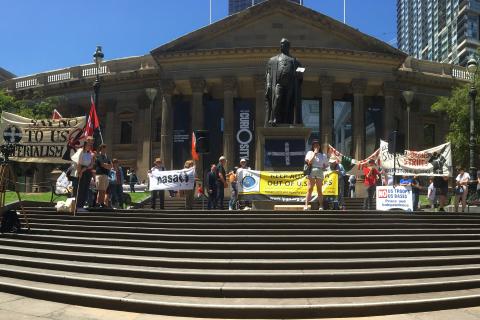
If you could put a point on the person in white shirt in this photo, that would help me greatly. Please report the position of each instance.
(431, 194)
(461, 188)
(158, 166)
(318, 161)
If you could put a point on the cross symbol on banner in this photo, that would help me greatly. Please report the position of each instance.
(12, 134)
(287, 154)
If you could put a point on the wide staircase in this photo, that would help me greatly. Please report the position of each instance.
(247, 264)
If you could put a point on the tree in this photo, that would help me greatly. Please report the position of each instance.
(38, 107)
(457, 109)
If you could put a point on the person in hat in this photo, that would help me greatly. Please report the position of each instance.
(318, 161)
(160, 194)
(221, 181)
(371, 175)
(243, 164)
(338, 168)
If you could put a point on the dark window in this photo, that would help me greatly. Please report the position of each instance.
(429, 134)
(342, 126)
(126, 129)
(158, 130)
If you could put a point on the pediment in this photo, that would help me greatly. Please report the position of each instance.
(264, 25)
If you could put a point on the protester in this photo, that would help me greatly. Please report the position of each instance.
(243, 164)
(232, 178)
(431, 193)
(85, 160)
(102, 169)
(221, 181)
(117, 178)
(461, 188)
(441, 183)
(415, 192)
(189, 194)
(212, 187)
(160, 194)
(318, 161)
(132, 179)
(352, 181)
(371, 176)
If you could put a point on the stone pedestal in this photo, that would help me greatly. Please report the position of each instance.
(277, 133)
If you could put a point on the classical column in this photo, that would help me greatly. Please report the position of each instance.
(167, 86)
(229, 85)
(358, 112)
(326, 124)
(198, 86)
(259, 85)
(109, 123)
(389, 124)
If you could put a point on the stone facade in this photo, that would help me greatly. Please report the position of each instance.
(204, 78)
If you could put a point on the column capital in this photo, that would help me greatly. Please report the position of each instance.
(326, 82)
(198, 85)
(389, 88)
(259, 82)
(359, 86)
(229, 83)
(167, 86)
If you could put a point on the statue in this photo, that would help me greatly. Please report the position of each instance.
(283, 81)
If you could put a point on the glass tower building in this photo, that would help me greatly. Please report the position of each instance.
(438, 30)
(235, 6)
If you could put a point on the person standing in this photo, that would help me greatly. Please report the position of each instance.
(415, 192)
(212, 187)
(371, 175)
(243, 164)
(318, 162)
(117, 185)
(232, 178)
(84, 172)
(441, 183)
(160, 194)
(132, 179)
(352, 181)
(431, 193)
(461, 188)
(221, 181)
(189, 194)
(102, 169)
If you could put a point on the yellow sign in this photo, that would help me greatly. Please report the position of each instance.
(330, 184)
(283, 183)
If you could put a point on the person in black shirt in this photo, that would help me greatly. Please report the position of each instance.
(221, 181)
(102, 169)
(212, 187)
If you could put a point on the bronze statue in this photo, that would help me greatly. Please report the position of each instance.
(283, 88)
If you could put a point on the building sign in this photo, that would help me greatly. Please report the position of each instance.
(172, 180)
(181, 133)
(284, 153)
(42, 141)
(389, 197)
(244, 134)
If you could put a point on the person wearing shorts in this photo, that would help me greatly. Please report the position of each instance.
(319, 162)
(103, 166)
(441, 184)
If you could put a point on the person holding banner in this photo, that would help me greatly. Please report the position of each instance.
(160, 194)
(84, 161)
(189, 194)
(212, 187)
(318, 161)
(371, 175)
(461, 188)
(221, 180)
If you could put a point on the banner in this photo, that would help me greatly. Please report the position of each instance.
(389, 197)
(280, 185)
(436, 161)
(172, 180)
(244, 133)
(42, 141)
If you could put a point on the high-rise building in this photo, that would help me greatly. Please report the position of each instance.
(235, 6)
(438, 30)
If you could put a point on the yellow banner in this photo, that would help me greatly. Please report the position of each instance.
(330, 184)
(283, 183)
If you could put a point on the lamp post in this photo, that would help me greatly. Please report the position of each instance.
(97, 58)
(408, 96)
(151, 93)
(472, 67)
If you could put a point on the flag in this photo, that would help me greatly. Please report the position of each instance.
(92, 121)
(56, 115)
(194, 147)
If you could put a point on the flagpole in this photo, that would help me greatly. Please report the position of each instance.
(210, 11)
(344, 15)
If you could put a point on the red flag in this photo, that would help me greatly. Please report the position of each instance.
(194, 148)
(56, 115)
(92, 121)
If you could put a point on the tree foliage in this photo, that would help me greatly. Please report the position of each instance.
(36, 108)
(456, 108)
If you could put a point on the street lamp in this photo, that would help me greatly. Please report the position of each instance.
(472, 67)
(97, 58)
(151, 93)
(408, 96)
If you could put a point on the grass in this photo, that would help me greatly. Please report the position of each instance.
(11, 196)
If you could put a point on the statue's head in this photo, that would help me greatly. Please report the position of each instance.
(284, 46)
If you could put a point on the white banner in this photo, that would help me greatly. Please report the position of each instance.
(41, 141)
(389, 197)
(172, 180)
(436, 161)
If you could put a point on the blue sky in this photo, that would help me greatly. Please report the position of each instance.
(45, 35)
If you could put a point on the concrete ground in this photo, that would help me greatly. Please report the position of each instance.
(13, 307)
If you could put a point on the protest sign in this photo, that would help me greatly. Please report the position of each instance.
(172, 180)
(389, 197)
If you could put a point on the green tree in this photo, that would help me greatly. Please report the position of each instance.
(457, 109)
(38, 107)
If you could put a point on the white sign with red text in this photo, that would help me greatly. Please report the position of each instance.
(394, 198)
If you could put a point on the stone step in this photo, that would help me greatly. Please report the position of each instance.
(242, 307)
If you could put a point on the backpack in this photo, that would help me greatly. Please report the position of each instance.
(10, 222)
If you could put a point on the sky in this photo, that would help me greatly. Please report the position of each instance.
(45, 35)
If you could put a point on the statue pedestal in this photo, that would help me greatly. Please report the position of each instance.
(281, 148)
